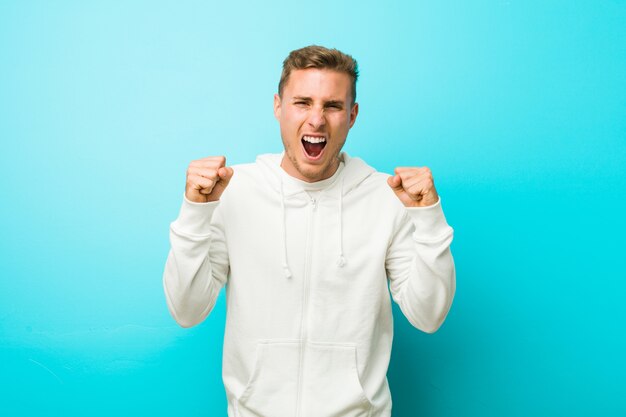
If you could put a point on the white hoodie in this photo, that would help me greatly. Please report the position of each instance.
(307, 270)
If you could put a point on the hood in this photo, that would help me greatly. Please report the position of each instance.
(354, 172)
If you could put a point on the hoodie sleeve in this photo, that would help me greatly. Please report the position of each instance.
(420, 267)
(197, 264)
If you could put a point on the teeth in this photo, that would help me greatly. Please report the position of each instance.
(314, 139)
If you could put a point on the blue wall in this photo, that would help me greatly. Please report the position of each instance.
(518, 107)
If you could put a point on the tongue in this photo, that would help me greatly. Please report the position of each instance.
(313, 149)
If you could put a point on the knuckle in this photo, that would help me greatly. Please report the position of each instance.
(214, 161)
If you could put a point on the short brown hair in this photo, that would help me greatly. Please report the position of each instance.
(315, 56)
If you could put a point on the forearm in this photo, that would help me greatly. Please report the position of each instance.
(196, 266)
(425, 286)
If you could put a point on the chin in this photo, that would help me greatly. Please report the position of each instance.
(312, 173)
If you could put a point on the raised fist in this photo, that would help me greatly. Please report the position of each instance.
(414, 186)
(207, 179)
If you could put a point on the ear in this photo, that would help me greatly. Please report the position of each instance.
(277, 104)
(354, 111)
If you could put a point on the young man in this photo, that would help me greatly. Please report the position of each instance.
(306, 243)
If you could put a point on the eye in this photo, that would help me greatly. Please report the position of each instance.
(334, 106)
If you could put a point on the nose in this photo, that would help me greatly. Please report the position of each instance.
(317, 118)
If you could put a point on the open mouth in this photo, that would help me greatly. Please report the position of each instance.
(313, 145)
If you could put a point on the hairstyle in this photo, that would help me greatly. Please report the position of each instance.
(314, 56)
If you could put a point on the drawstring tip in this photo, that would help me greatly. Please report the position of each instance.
(341, 261)
(287, 271)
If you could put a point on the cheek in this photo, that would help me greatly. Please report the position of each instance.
(341, 125)
(291, 122)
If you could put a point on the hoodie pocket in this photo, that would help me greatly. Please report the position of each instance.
(330, 384)
(332, 387)
(272, 388)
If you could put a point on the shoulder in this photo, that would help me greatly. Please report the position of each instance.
(375, 190)
(246, 171)
(248, 179)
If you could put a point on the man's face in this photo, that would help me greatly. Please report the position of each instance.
(315, 114)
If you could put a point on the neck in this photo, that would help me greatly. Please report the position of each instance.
(292, 170)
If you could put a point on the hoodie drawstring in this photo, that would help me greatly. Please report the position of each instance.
(341, 261)
(286, 269)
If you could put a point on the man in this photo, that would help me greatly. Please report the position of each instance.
(306, 243)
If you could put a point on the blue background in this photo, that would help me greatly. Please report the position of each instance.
(518, 107)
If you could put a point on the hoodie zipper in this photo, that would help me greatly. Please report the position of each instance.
(305, 302)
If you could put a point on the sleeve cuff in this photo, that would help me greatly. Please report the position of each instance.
(429, 221)
(195, 218)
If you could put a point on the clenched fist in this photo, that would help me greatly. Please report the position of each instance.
(414, 186)
(207, 179)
